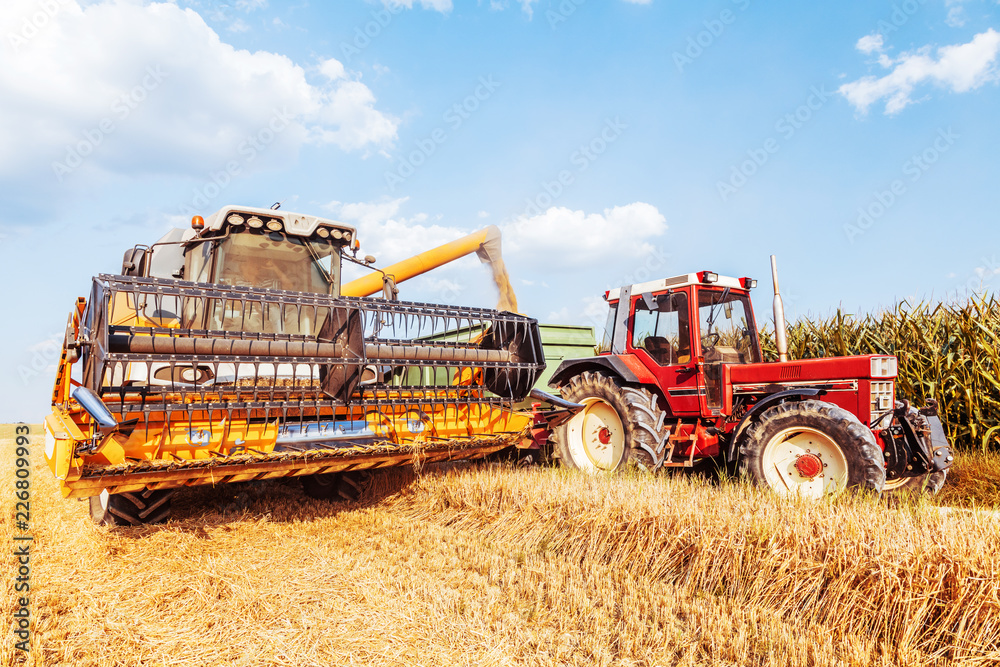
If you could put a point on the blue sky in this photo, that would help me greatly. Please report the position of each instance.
(611, 141)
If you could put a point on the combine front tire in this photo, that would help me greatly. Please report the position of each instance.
(131, 509)
(618, 426)
(812, 449)
(339, 486)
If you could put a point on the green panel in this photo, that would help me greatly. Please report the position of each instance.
(560, 342)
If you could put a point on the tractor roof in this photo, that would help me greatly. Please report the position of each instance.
(298, 224)
(682, 280)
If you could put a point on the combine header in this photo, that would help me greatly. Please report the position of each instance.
(228, 353)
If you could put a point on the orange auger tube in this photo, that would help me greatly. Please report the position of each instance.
(478, 242)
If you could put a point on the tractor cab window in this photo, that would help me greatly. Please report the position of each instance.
(609, 330)
(727, 331)
(661, 328)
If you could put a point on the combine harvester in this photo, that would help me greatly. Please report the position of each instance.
(233, 352)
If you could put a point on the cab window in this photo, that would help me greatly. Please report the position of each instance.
(727, 335)
(661, 328)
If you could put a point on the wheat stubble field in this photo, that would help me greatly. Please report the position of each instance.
(496, 566)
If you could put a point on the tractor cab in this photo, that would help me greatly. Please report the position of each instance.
(683, 330)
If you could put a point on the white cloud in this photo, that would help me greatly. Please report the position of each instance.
(574, 239)
(870, 43)
(251, 5)
(239, 25)
(442, 6)
(152, 88)
(960, 67)
(956, 13)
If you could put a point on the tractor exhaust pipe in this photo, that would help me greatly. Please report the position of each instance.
(780, 330)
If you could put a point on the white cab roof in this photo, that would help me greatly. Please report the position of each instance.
(675, 282)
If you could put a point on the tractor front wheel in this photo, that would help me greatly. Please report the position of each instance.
(619, 426)
(812, 449)
(131, 509)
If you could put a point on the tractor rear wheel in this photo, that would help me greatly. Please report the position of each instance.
(131, 509)
(618, 427)
(812, 449)
(929, 483)
(339, 486)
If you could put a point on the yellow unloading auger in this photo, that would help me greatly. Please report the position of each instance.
(485, 243)
(234, 354)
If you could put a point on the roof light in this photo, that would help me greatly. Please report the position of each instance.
(274, 225)
(337, 234)
(197, 223)
(709, 277)
(235, 219)
(748, 283)
(255, 222)
(347, 236)
(323, 232)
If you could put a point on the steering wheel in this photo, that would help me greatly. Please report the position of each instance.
(712, 340)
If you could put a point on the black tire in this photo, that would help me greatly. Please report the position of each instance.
(640, 419)
(133, 508)
(338, 486)
(928, 484)
(830, 429)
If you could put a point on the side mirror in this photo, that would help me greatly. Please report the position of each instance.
(369, 259)
(134, 262)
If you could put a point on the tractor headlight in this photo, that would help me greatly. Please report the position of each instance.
(274, 225)
(235, 219)
(255, 222)
(883, 367)
(323, 232)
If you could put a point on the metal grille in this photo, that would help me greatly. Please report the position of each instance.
(154, 347)
(881, 402)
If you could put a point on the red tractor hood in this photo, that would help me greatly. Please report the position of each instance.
(808, 371)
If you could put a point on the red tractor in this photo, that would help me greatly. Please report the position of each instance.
(679, 379)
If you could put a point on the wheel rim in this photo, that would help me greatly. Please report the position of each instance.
(596, 437)
(804, 461)
(892, 484)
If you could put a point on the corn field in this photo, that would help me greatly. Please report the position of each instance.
(950, 352)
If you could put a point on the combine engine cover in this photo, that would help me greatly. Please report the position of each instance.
(180, 383)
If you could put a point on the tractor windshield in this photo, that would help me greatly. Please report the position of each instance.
(727, 331)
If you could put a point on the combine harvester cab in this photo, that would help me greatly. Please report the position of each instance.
(227, 353)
